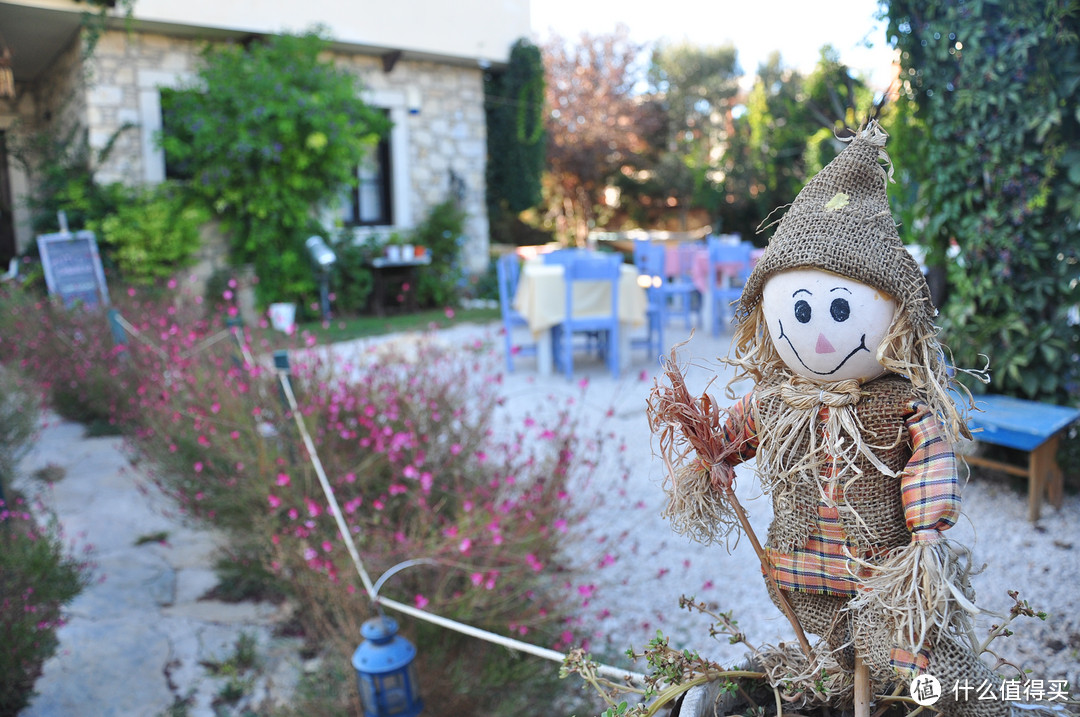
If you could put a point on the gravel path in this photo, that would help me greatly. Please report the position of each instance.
(640, 568)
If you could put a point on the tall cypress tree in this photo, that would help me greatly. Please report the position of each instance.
(514, 104)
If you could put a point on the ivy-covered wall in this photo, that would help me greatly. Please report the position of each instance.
(993, 156)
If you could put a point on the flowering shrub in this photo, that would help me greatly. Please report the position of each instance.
(36, 580)
(70, 353)
(409, 438)
(17, 424)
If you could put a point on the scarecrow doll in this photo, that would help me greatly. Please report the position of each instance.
(852, 423)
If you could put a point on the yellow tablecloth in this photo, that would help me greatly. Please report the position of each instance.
(541, 296)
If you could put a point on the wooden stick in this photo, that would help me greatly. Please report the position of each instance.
(862, 687)
(785, 606)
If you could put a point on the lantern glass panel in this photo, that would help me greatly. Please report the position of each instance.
(367, 695)
(414, 683)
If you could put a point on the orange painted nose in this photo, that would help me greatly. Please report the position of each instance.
(823, 345)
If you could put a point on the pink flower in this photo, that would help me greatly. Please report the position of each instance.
(274, 501)
(465, 545)
(449, 313)
(283, 479)
(476, 578)
(455, 449)
(326, 546)
(313, 508)
(607, 560)
(420, 601)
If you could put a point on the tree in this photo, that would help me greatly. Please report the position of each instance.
(514, 105)
(787, 133)
(995, 87)
(696, 88)
(271, 131)
(597, 124)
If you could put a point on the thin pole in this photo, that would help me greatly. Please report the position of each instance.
(766, 564)
(862, 687)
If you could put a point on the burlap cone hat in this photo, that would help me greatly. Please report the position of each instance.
(840, 222)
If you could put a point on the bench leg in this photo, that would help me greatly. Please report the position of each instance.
(1055, 480)
(1044, 477)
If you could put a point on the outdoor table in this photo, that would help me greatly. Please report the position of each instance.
(541, 299)
(395, 274)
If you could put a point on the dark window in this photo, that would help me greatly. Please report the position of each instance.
(370, 202)
(174, 128)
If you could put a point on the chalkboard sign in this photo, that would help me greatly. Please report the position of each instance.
(73, 268)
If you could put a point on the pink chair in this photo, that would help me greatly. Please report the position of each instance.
(729, 265)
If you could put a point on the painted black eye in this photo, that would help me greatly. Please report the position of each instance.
(840, 309)
(802, 311)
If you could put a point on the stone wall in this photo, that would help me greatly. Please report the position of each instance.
(118, 69)
(447, 138)
(440, 106)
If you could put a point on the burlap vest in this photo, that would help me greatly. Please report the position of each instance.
(869, 503)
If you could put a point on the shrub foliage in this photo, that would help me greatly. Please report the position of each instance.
(269, 132)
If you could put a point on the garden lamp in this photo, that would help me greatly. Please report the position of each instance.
(386, 672)
(324, 258)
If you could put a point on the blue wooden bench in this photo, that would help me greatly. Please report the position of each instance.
(1028, 426)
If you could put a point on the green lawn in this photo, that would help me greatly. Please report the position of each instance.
(344, 329)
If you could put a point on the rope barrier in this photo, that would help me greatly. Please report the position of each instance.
(377, 600)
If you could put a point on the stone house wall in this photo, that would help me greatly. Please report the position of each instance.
(437, 108)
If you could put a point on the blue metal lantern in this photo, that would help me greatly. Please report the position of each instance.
(386, 671)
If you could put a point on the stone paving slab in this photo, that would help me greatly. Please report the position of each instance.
(139, 637)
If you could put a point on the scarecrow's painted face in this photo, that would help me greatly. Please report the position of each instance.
(826, 327)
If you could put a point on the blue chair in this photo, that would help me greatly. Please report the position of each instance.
(508, 269)
(562, 256)
(590, 267)
(721, 296)
(649, 260)
(677, 291)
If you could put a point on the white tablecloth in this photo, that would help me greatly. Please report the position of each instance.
(541, 296)
(541, 299)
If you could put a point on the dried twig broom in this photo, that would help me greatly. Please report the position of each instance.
(701, 496)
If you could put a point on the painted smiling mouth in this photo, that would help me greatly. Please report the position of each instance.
(857, 349)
